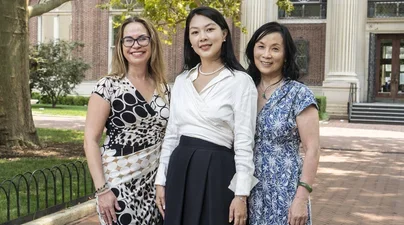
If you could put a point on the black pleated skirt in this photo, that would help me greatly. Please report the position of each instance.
(198, 177)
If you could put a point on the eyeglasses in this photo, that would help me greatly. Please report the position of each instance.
(142, 41)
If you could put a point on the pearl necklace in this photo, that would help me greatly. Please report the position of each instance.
(207, 74)
(266, 89)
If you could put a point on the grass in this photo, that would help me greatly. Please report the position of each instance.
(48, 135)
(21, 171)
(60, 136)
(47, 187)
(59, 110)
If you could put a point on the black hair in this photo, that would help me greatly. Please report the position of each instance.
(290, 69)
(191, 59)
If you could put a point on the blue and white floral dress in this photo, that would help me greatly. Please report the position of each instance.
(278, 164)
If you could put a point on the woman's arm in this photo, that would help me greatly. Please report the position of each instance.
(245, 113)
(171, 140)
(97, 114)
(308, 126)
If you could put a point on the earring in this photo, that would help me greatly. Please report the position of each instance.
(224, 40)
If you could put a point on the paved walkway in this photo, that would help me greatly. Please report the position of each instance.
(360, 179)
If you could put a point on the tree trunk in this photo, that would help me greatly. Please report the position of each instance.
(16, 123)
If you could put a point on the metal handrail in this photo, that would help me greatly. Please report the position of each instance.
(22, 194)
(351, 98)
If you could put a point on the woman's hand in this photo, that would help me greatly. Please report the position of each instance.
(298, 212)
(160, 199)
(107, 203)
(238, 210)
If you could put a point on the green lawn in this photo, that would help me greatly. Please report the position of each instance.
(68, 174)
(21, 172)
(59, 110)
(60, 136)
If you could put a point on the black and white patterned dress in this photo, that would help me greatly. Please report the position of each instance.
(130, 153)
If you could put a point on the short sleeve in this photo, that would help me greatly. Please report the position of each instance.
(104, 88)
(304, 99)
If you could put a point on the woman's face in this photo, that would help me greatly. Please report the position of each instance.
(206, 37)
(136, 45)
(269, 54)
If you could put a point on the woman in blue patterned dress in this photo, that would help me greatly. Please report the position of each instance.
(132, 104)
(287, 117)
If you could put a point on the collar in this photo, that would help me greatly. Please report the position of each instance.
(193, 73)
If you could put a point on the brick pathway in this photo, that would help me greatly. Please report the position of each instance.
(360, 179)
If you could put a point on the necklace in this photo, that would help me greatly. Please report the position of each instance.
(266, 89)
(207, 74)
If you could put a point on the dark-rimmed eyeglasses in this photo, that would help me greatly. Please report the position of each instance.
(142, 41)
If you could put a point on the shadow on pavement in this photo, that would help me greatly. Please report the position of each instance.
(359, 188)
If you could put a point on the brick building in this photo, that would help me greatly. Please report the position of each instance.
(82, 21)
(341, 43)
(351, 50)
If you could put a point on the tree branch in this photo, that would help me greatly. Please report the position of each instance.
(41, 8)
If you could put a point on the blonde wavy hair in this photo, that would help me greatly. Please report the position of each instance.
(155, 65)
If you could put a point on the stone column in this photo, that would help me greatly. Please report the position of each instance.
(253, 15)
(341, 49)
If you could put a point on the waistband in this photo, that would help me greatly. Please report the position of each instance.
(203, 144)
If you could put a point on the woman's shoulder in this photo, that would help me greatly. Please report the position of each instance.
(299, 86)
(182, 75)
(243, 77)
(300, 90)
(111, 78)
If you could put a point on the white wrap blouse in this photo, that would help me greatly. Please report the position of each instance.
(224, 113)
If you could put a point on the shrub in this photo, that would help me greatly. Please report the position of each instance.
(55, 69)
(322, 107)
(63, 100)
(35, 95)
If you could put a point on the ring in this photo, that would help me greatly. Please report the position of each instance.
(102, 213)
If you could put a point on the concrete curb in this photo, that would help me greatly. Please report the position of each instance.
(67, 215)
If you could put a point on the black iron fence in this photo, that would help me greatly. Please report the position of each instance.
(305, 10)
(385, 8)
(31, 195)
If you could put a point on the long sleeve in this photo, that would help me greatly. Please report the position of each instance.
(245, 111)
(171, 140)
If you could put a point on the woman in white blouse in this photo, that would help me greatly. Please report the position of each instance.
(206, 168)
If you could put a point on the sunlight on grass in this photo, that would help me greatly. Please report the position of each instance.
(59, 110)
(12, 167)
(60, 135)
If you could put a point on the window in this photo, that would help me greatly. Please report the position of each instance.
(307, 9)
(56, 24)
(302, 59)
(385, 8)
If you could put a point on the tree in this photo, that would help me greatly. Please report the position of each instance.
(53, 69)
(16, 124)
(167, 14)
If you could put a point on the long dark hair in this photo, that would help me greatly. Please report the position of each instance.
(191, 59)
(290, 69)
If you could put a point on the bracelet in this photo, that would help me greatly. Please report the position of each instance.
(102, 189)
(305, 185)
(103, 192)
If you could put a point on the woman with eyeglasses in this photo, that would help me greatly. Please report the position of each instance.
(132, 104)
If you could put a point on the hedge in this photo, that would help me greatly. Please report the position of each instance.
(64, 100)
